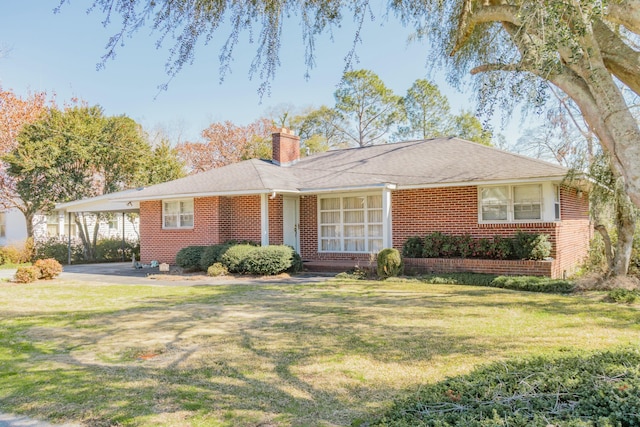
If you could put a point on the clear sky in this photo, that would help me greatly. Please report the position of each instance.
(58, 53)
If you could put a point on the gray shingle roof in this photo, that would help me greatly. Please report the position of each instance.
(433, 162)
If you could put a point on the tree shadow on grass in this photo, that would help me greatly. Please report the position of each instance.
(279, 355)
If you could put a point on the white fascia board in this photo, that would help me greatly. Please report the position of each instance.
(344, 189)
(205, 194)
(557, 179)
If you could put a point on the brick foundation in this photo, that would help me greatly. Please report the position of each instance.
(487, 266)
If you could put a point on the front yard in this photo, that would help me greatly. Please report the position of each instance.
(320, 355)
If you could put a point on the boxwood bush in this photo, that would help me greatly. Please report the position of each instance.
(189, 257)
(269, 260)
(602, 389)
(389, 263)
(234, 257)
(212, 254)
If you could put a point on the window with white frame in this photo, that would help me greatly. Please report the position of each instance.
(113, 223)
(556, 202)
(350, 223)
(506, 203)
(3, 224)
(177, 214)
(53, 225)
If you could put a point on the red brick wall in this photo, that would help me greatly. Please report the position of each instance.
(309, 227)
(240, 218)
(163, 245)
(574, 233)
(487, 266)
(455, 211)
(414, 212)
(452, 210)
(216, 220)
(275, 221)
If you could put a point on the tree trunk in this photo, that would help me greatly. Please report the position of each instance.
(626, 227)
(28, 217)
(608, 249)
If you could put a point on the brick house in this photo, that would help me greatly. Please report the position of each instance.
(343, 205)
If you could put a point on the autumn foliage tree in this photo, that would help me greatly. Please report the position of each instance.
(15, 112)
(225, 143)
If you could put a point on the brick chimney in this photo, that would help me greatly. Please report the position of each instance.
(286, 147)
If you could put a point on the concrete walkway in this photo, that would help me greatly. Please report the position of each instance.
(10, 420)
(124, 273)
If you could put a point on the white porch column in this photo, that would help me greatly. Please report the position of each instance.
(387, 239)
(264, 219)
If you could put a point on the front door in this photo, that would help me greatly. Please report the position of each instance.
(291, 222)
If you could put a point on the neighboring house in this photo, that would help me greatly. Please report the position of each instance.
(13, 230)
(346, 204)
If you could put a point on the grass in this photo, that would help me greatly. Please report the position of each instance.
(10, 266)
(321, 355)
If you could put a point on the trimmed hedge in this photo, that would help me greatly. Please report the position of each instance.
(212, 254)
(516, 283)
(234, 257)
(189, 257)
(269, 260)
(598, 390)
(439, 245)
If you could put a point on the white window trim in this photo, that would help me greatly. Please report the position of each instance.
(366, 223)
(179, 226)
(547, 198)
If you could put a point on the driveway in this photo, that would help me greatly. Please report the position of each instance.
(124, 273)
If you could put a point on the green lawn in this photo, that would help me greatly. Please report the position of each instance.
(321, 355)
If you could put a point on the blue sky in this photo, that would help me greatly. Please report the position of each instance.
(58, 53)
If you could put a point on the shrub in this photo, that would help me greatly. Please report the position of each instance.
(389, 263)
(516, 283)
(531, 246)
(625, 296)
(48, 268)
(12, 255)
(217, 269)
(470, 279)
(57, 249)
(269, 260)
(296, 263)
(26, 274)
(189, 257)
(212, 254)
(353, 274)
(501, 247)
(596, 390)
(413, 247)
(432, 246)
(466, 246)
(110, 249)
(234, 257)
(533, 284)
